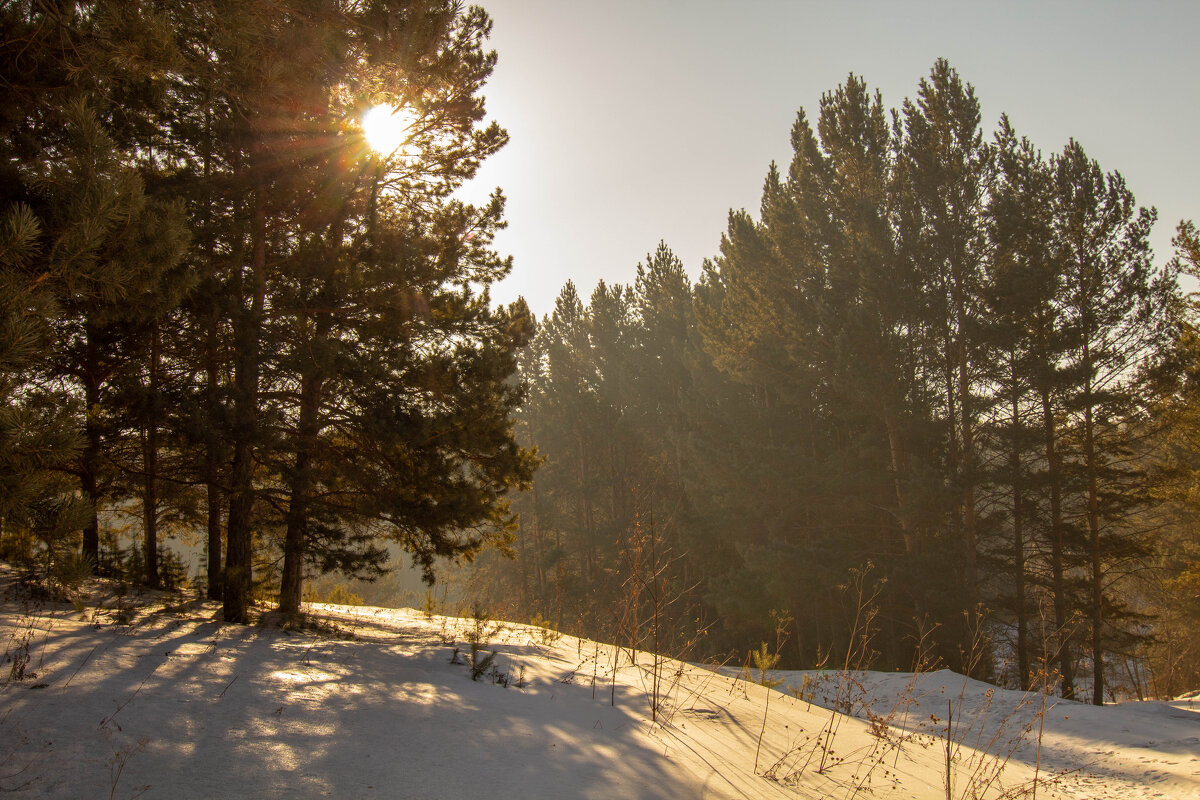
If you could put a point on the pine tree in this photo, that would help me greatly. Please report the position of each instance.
(1020, 283)
(199, 129)
(815, 311)
(38, 435)
(1118, 305)
(85, 96)
(1173, 591)
(944, 170)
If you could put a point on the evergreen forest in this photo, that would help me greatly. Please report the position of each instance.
(935, 402)
(933, 405)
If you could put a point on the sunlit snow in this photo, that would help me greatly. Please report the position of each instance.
(178, 705)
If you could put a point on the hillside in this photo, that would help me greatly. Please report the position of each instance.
(166, 702)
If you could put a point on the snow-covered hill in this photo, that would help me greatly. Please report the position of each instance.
(381, 703)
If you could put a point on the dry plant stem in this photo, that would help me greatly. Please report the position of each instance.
(595, 669)
(1037, 762)
(989, 763)
(121, 761)
(986, 764)
(861, 634)
(11, 775)
(129, 700)
(701, 689)
(677, 682)
(45, 639)
(949, 728)
(766, 707)
(81, 666)
(909, 690)
(872, 759)
(613, 683)
(883, 737)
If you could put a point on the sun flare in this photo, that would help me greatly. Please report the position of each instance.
(386, 128)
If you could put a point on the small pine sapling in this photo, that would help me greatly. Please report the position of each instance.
(480, 665)
(764, 661)
(546, 634)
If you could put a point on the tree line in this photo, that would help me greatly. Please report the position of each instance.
(936, 363)
(219, 309)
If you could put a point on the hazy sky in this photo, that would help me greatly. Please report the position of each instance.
(633, 122)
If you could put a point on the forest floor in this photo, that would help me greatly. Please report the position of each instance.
(151, 696)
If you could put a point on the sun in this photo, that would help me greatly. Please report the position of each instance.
(386, 128)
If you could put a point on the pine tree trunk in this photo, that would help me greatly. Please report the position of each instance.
(1018, 514)
(308, 428)
(585, 514)
(295, 538)
(539, 563)
(212, 462)
(899, 474)
(239, 555)
(523, 564)
(1093, 522)
(213, 498)
(212, 371)
(150, 470)
(89, 462)
(1062, 623)
(970, 543)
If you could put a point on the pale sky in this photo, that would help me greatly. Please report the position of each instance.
(632, 122)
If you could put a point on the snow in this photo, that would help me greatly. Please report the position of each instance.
(366, 703)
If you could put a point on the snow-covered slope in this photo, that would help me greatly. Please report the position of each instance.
(369, 704)
(1134, 749)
